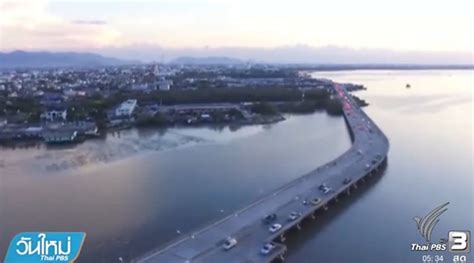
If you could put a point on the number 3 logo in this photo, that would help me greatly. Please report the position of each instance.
(459, 241)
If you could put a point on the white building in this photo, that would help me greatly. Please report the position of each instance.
(126, 109)
(73, 93)
(141, 86)
(3, 122)
(54, 114)
(164, 85)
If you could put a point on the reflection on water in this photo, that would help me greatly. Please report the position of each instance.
(114, 147)
(135, 203)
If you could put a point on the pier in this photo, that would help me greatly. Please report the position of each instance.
(303, 196)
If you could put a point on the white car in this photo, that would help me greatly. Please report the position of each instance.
(347, 180)
(267, 248)
(367, 167)
(326, 190)
(293, 216)
(229, 243)
(274, 228)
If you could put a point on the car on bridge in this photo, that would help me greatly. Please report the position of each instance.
(325, 189)
(229, 243)
(267, 248)
(274, 228)
(293, 216)
(269, 218)
(367, 167)
(347, 180)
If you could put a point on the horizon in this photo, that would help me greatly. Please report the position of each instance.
(231, 58)
(291, 55)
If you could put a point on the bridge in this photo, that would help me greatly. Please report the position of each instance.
(305, 196)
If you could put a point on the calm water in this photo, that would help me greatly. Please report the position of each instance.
(132, 191)
(430, 162)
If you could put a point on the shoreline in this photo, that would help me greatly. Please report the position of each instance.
(37, 140)
(70, 157)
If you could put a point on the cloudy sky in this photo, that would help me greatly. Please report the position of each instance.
(415, 25)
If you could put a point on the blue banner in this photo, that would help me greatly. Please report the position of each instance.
(32, 247)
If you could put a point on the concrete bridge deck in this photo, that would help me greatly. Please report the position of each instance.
(367, 153)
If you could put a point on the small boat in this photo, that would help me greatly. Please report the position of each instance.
(62, 137)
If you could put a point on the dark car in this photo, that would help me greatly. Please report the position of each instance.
(347, 180)
(269, 218)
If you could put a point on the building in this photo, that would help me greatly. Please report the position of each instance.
(74, 93)
(54, 114)
(126, 109)
(143, 87)
(19, 131)
(164, 85)
(200, 107)
(51, 98)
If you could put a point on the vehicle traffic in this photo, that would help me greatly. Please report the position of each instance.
(229, 243)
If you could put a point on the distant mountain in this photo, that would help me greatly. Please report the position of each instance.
(292, 54)
(23, 59)
(206, 61)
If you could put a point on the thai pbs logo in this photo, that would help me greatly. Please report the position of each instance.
(457, 242)
(30, 247)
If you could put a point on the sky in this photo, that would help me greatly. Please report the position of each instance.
(401, 25)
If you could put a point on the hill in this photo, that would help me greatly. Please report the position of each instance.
(23, 59)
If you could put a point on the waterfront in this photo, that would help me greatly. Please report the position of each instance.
(137, 200)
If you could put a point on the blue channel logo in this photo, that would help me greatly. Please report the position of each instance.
(33, 247)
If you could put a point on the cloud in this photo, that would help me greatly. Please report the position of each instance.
(28, 25)
(396, 25)
(6, 6)
(89, 22)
